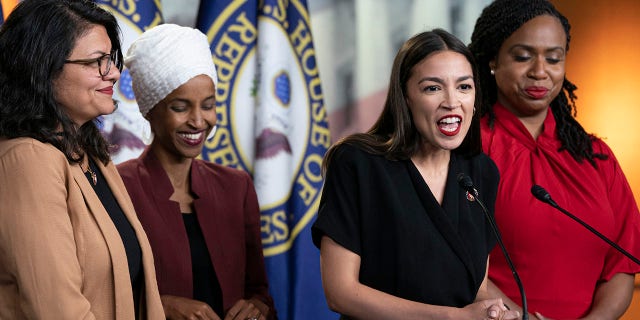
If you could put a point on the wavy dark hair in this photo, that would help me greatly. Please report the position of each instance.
(35, 40)
(394, 134)
(497, 22)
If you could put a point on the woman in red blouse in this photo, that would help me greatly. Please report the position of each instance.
(528, 129)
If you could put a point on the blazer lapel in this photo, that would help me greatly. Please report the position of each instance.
(161, 189)
(157, 183)
(121, 279)
(150, 292)
(207, 205)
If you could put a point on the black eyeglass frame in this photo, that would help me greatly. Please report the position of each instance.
(112, 60)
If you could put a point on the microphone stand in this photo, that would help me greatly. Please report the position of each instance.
(467, 184)
(541, 194)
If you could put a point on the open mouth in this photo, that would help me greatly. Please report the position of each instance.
(450, 125)
(192, 139)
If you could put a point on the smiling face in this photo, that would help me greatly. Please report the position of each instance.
(440, 94)
(530, 66)
(183, 119)
(80, 89)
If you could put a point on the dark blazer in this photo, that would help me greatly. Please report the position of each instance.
(227, 209)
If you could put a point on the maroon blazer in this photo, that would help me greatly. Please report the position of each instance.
(227, 208)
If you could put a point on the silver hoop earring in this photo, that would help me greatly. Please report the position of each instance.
(212, 133)
(147, 134)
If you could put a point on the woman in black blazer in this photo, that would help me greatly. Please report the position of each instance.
(398, 237)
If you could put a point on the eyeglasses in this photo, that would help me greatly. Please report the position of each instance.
(104, 62)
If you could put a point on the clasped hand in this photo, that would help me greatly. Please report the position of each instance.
(491, 309)
(179, 308)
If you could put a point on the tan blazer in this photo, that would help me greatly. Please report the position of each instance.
(61, 256)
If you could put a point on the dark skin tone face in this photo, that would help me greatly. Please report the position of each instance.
(530, 68)
(183, 119)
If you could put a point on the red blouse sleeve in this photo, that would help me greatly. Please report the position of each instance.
(623, 204)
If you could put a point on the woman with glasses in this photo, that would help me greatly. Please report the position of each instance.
(71, 246)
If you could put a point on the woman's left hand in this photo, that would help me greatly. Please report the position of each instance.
(251, 309)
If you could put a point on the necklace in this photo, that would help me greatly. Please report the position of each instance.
(94, 177)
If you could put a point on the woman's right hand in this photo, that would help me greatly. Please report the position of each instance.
(490, 309)
(179, 308)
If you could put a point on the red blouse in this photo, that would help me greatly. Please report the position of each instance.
(559, 261)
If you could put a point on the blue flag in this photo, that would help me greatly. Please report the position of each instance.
(124, 128)
(272, 123)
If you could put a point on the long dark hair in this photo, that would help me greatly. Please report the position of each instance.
(497, 22)
(394, 134)
(35, 40)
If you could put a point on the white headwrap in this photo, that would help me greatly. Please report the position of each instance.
(164, 58)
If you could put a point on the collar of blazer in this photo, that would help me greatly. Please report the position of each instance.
(112, 236)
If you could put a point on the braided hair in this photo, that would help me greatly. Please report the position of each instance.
(496, 23)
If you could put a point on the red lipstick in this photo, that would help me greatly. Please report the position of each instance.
(107, 90)
(450, 125)
(192, 138)
(536, 92)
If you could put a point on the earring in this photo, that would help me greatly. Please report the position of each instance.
(212, 133)
(493, 73)
(147, 134)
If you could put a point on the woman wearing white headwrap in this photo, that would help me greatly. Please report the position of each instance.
(202, 219)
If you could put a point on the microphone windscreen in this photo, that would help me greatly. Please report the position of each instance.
(540, 193)
(465, 181)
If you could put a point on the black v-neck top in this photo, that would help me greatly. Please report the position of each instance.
(410, 246)
(122, 224)
(206, 287)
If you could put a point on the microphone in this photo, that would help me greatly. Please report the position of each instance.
(541, 194)
(466, 183)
